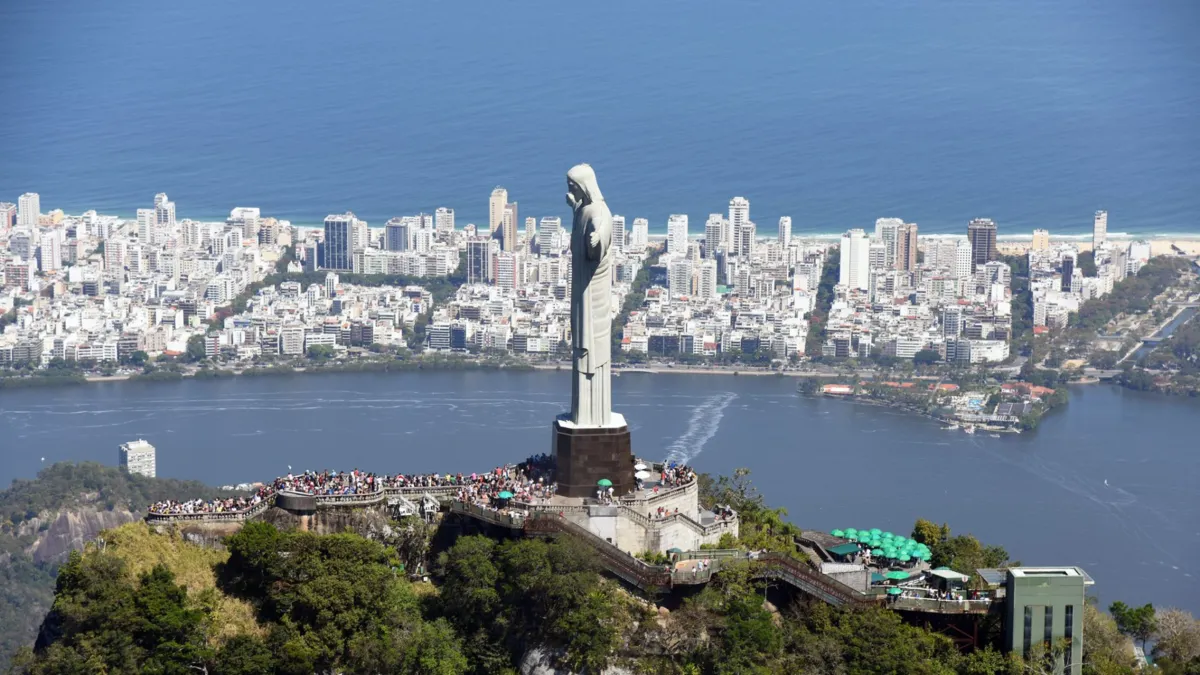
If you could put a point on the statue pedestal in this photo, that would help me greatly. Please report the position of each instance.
(584, 455)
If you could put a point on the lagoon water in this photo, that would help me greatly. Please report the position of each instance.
(1031, 113)
(1109, 483)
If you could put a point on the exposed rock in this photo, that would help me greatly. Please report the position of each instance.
(70, 530)
(542, 661)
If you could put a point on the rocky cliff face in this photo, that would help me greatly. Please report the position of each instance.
(58, 533)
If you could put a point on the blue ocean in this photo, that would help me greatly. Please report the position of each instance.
(1034, 114)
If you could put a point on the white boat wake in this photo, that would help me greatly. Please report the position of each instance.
(702, 426)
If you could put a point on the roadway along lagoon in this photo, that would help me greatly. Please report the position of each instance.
(1109, 483)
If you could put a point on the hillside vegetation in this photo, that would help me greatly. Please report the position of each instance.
(30, 511)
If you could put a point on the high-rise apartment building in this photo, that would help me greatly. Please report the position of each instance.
(981, 232)
(547, 234)
(739, 214)
(785, 231)
(50, 252)
(509, 226)
(509, 270)
(679, 277)
(480, 251)
(29, 210)
(164, 210)
(1068, 273)
(443, 220)
(1041, 240)
(963, 265)
(1099, 230)
(747, 238)
(906, 247)
(8, 216)
(639, 235)
(714, 234)
(138, 457)
(877, 256)
(885, 233)
(531, 230)
(245, 219)
(677, 234)
(854, 269)
(147, 223)
(496, 206)
(706, 279)
(339, 241)
(618, 232)
(360, 235)
(397, 235)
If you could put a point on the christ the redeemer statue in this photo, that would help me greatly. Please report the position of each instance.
(591, 300)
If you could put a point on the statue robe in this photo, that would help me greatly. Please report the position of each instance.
(591, 315)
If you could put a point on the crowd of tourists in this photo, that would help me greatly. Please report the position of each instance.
(530, 482)
(170, 507)
(676, 475)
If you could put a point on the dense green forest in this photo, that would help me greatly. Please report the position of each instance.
(28, 586)
(296, 602)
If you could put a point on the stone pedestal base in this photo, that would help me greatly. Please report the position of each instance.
(584, 455)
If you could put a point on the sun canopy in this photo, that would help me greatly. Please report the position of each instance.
(604, 482)
(949, 575)
(844, 549)
(505, 495)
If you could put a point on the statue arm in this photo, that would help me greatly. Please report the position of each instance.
(599, 237)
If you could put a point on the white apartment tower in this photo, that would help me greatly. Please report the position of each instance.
(547, 234)
(962, 259)
(147, 222)
(639, 236)
(443, 219)
(854, 270)
(714, 234)
(1099, 230)
(618, 232)
(747, 236)
(29, 210)
(785, 231)
(739, 214)
(677, 234)
(164, 210)
(887, 232)
(138, 457)
(706, 281)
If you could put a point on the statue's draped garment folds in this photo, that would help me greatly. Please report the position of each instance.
(591, 299)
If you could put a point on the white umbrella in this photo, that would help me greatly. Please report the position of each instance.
(642, 475)
(639, 466)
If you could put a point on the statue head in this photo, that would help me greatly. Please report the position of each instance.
(582, 188)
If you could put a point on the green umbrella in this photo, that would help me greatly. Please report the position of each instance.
(895, 574)
(876, 551)
(875, 531)
(925, 555)
(852, 536)
(851, 530)
(876, 542)
(505, 495)
(904, 557)
(674, 550)
(888, 535)
(894, 591)
(837, 533)
(890, 553)
(604, 482)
